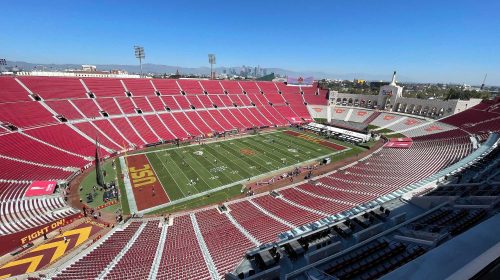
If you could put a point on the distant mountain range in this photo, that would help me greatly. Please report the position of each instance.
(160, 69)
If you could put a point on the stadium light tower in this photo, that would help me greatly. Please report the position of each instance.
(211, 60)
(140, 54)
(3, 63)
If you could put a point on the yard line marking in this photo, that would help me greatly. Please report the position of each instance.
(228, 149)
(261, 154)
(165, 191)
(266, 147)
(255, 177)
(228, 158)
(295, 141)
(189, 180)
(238, 167)
(304, 143)
(214, 166)
(177, 184)
(240, 159)
(209, 186)
(216, 141)
(265, 153)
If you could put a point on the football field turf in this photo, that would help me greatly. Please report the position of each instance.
(179, 174)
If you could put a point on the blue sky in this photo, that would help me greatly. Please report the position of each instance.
(447, 41)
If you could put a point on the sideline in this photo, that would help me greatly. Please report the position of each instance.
(128, 187)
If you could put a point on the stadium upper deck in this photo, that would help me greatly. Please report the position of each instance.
(60, 118)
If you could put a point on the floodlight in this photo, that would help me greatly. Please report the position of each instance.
(139, 54)
(211, 60)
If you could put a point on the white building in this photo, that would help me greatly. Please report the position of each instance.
(390, 98)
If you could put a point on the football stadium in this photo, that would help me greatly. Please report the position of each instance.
(116, 174)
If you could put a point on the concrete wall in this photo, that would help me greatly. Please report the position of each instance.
(432, 107)
(349, 99)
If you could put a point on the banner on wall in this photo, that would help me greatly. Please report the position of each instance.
(38, 188)
(404, 143)
(14, 240)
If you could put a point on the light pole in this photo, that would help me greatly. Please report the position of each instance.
(140, 54)
(3, 62)
(211, 60)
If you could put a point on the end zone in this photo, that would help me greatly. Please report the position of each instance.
(142, 182)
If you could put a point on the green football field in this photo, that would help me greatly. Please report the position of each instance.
(189, 170)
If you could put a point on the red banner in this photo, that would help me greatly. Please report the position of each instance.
(38, 188)
(404, 143)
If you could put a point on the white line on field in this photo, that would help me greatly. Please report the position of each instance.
(263, 175)
(217, 141)
(162, 163)
(175, 162)
(199, 177)
(241, 176)
(163, 188)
